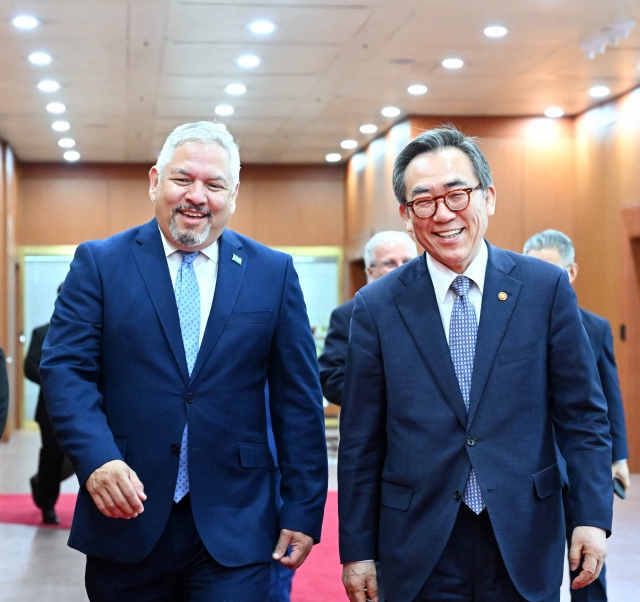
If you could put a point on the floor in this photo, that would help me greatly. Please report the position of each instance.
(37, 566)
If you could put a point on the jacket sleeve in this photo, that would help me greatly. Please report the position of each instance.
(34, 355)
(334, 356)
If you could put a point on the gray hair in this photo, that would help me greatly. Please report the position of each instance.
(552, 239)
(203, 132)
(432, 141)
(384, 238)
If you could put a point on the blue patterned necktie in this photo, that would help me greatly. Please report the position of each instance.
(463, 332)
(188, 301)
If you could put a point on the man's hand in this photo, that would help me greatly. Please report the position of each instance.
(620, 470)
(590, 542)
(356, 576)
(116, 490)
(301, 545)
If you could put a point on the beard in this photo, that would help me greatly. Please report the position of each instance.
(189, 237)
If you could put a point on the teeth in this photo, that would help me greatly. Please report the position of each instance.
(449, 234)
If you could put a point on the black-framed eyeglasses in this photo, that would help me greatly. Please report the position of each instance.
(455, 200)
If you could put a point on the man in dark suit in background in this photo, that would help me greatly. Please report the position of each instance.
(4, 393)
(556, 247)
(383, 253)
(459, 366)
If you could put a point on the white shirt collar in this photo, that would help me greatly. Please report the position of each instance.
(211, 252)
(442, 277)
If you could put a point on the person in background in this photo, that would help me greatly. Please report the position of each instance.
(556, 247)
(4, 393)
(383, 253)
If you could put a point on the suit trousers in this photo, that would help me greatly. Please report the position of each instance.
(178, 569)
(471, 568)
(49, 466)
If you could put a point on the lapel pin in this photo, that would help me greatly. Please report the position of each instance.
(502, 296)
(237, 259)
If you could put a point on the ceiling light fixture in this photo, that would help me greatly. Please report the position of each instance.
(25, 22)
(66, 142)
(235, 89)
(71, 156)
(224, 110)
(60, 126)
(390, 111)
(56, 107)
(495, 31)
(48, 85)
(599, 91)
(554, 112)
(368, 128)
(417, 89)
(348, 144)
(262, 27)
(40, 58)
(248, 61)
(333, 157)
(452, 63)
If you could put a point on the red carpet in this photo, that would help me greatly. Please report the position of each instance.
(19, 509)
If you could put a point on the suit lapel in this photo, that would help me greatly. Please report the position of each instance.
(152, 263)
(228, 283)
(419, 309)
(494, 319)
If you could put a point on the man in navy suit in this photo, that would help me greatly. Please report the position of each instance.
(460, 367)
(154, 373)
(556, 247)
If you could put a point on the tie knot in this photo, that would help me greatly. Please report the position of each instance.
(188, 258)
(461, 286)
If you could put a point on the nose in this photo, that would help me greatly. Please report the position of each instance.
(443, 214)
(196, 193)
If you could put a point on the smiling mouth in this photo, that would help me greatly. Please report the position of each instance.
(449, 234)
(191, 213)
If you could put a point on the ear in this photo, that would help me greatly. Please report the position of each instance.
(490, 200)
(234, 196)
(404, 214)
(573, 272)
(154, 178)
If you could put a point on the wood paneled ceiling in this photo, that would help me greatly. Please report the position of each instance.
(131, 70)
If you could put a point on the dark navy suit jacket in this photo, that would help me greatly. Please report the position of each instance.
(116, 385)
(407, 443)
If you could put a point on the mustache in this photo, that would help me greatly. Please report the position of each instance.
(188, 207)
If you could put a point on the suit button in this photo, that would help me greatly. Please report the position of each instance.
(190, 397)
(456, 496)
(471, 441)
(175, 450)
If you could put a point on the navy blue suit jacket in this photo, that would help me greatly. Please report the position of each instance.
(117, 386)
(407, 443)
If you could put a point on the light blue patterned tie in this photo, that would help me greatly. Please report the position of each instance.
(463, 332)
(188, 301)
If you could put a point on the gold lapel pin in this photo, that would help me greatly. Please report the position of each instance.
(502, 296)
(237, 259)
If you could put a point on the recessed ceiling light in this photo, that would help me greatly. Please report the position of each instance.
(40, 58)
(48, 85)
(452, 63)
(262, 27)
(599, 91)
(495, 31)
(348, 144)
(417, 89)
(71, 156)
(25, 22)
(235, 89)
(368, 128)
(554, 112)
(60, 126)
(390, 111)
(66, 142)
(333, 157)
(224, 110)
(248, 60)
(56, 107)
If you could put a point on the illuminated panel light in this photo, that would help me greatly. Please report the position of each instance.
(417, 89)
(348, 144)
(390, 111)
(262, 27)
(248, 61)
(599, 91)
(224, 110)
(554, 112)
(333, 157)
(368, 128)
(71, 156)
(235, 89)
(452, 63)
(66, 142)
(495, 31)
(56, 107)
(40, 58)
(25, 22)
(60, 126)
(48, 85)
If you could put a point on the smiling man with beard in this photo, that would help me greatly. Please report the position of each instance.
(154, 370)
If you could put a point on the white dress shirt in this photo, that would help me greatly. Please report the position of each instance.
(205, 265)
(442, 278)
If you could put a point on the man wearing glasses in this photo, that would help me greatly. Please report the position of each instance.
(460, 366)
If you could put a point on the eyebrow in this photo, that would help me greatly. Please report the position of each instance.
(451, 184)
(185, 172)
